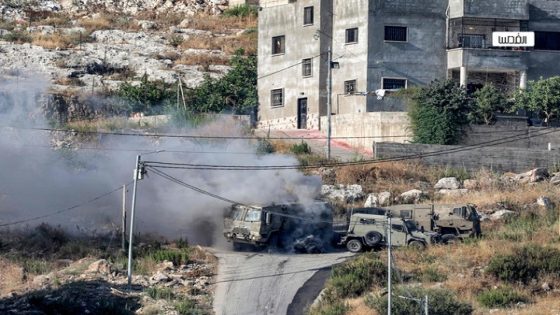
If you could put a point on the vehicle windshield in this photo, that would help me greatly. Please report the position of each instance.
(410, 225)
(253, 216)
(236, 214)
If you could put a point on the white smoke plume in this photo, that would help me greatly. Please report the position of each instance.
(37, 179)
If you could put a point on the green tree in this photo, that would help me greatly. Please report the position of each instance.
(438, 113)
(487, 101)
(541, 97)
(149, 97)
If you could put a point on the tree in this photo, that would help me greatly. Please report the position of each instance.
(438, 112)
(487, 101)
(541, 97)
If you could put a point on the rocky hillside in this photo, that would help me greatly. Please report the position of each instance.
(93, 46)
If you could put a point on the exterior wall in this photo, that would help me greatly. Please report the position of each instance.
(544, 16)
(279, 72)
(504, 9)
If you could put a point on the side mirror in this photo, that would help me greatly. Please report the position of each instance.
(268, 218)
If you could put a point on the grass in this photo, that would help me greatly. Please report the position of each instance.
(58, 40)
(242, 11)
(227, 44)
(501, 297)
(159, 293)
(203, 60)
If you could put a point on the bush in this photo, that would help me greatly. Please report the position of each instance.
(440, 302)
(17, 37)
(500, 297)
(487, 101)
(335, 308)
(300, 148)
(148, 97)
(355, 277)
(189, 307)
(178, 257)
(525, 264)
(438, 113)
(264, 146)
(158, 293)
(241, 11)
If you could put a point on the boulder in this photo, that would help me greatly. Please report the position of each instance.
(100, 266)
(501, 214)
(159, 277)
(544, 201)
(384, 198)
(453, 192)
(348, 193)
(371, 201)
(448, 183)
(422, 185)
(532, 176)
(165, 266)
(411, 196)
(555, 180)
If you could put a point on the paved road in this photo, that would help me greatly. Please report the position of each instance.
(262, 283)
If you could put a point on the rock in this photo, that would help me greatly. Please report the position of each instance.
(411, 196)
(453, 192)
(42, 280)
(384, 198)
(555, 180)
(165, 266)
(544, 201)
(448, 183)
(546, 287)
(147, 25)
(532, 176)
(100, 266)
(159, 277)
(371, 201)
(423, 186)
(349, 193)
(501, 214)
(470, 184)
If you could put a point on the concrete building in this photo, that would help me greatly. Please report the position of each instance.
(388, 45)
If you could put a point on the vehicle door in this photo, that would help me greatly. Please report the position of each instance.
(398, 234)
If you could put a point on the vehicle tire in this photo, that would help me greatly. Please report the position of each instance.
(373, 238)
(417, 245)
(354, 246)
(449, 239)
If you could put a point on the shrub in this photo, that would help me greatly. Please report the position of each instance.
(440, 302)
(264, 146)
(241, 11)
(178, 257)
(433, 275)
(148, 97)
(355, 277)
(334, 308)
(500, 297)
(438, 112)
(19, 37)
(158, 293)
(300, 148)
(189, 307)
(487, 101)
(525, 263)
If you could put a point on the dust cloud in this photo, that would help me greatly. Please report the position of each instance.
(39, 180)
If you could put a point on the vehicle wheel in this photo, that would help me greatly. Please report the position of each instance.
(354, 246)
(373, 238)
(417, 245)
(449, 239)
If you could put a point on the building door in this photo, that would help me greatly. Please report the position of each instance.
(302, 113)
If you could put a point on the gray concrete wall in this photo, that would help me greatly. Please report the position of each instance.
(529, 137)
(504, 9)
(496, 158)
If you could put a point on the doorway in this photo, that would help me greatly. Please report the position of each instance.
(302, 113)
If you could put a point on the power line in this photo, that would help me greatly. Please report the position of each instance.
(64, 210)
(339, 164)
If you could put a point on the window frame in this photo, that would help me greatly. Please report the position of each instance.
(305, 16)
(283, 45)
(307, 62)
(355, 31)
(346, 85)
(393, 78)
(394, 40)
(272, 104)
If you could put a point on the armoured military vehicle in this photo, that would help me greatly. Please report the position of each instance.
(297, 227)
(452, 221)
(370, 231)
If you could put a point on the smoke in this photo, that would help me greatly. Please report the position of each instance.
(37, 179)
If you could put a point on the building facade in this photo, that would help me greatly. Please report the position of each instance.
(387, 45)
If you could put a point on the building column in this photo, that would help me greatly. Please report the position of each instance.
(523, 80)
(464, 77)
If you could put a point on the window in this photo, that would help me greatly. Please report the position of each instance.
(236, 214)
(277, 97)
(352, 35)
(278, 45)
(308, 16)
(350, 87)
(253, 216)
(306, 67)
(394, 84)
(472, 41)
(396, 33)
(397, 227)
(547, 40)
(406, 214)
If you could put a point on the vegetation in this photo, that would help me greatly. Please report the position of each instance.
(300, 148)
(149, 97)
(487, 101)
(357, 276)
(242, 11)
(501, 297)
(525, 263)
(158, 293)
(440, 302)
(18, 37)
(541, 97)
(438, 112)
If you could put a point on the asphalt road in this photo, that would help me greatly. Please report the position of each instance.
(267, 284)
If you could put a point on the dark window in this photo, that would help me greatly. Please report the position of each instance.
(306, 67)
(397, 227)
(472, 41)
(277, 97)
(278, 45)
(350, 87)
(396, 33)
(547, 40)
(307, 15)
(406, 214)
(352, 35)
(394, 84)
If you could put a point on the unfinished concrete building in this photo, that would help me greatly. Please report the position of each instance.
(387, 45)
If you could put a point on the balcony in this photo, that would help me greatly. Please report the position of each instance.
(495, 9)
(487, 59)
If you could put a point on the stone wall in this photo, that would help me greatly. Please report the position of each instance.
(514, 136)
(471, 158)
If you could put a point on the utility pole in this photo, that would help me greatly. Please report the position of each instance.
(123, 227)
(329, 92)
(389, 262)
(426, 305)
(137, 176)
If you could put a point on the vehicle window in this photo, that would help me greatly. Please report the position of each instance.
(253, 216)
(236, 214)
(407, 214)
(397, 227)
(367, 221)
(464, 212)
(457, 211)
(410, 225)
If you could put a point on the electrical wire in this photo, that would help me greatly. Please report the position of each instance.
(65, 209)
